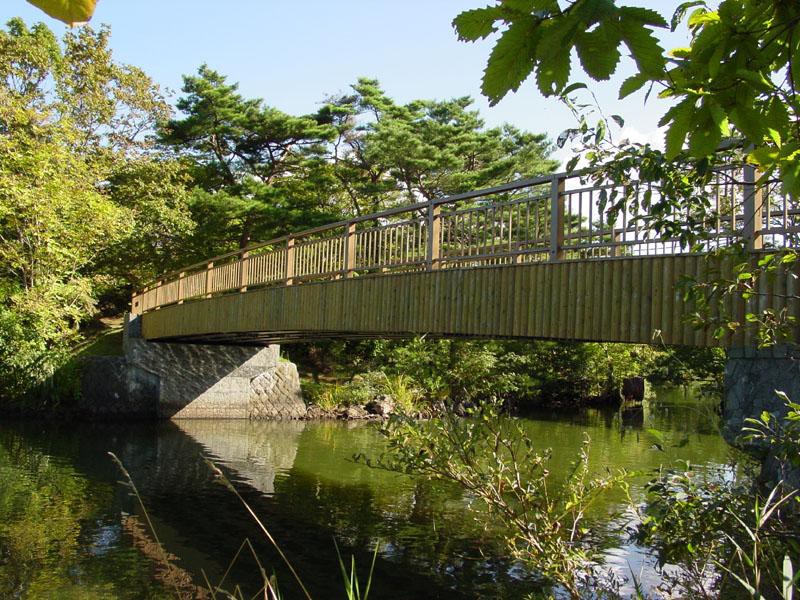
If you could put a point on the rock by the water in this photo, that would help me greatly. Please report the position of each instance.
(317, 412)
(353, 412)
(382, 406)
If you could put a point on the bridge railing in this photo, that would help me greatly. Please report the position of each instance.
(551, 218)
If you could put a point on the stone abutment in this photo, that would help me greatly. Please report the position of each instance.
(184, 381)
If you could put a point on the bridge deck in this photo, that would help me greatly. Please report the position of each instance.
(541, 258)
(614, 300)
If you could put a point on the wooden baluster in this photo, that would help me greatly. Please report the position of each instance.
(181, 286)
(159, 294)
(350, 250)
(136, 302)
(290, 261)
(244, 271)
(753, 209)
(557, 218)
(434, 235)
(209, 278)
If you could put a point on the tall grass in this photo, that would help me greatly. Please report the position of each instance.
(403, 390)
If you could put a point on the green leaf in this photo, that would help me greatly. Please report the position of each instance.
(644, 47)
(646, 16)
(68, 11)
(705, 135)
(680, 12)
(600, 131)
(782, 396)
(598, 51)
(572, 87)
(572, 163)
(703, 17)
(552, 71)
(680, 116)
(523, 6)
(747, 120)
(632, 84)
(475, 24)
(511, 60)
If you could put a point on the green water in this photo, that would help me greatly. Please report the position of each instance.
(62, 510)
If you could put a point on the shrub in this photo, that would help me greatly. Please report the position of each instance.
(494, 461)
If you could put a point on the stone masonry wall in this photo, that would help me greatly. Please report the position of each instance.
(175, 381)
(751, 379)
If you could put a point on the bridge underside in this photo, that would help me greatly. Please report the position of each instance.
(628, 299)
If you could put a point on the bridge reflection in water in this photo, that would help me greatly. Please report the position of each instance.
(254, 450)
(539, 258)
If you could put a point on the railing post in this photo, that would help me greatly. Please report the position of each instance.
(209, 278)
(244, 271)
(350, 250)
(434, 235)
(290, 261)
(135, 301)
(181, 286)
(557, 218)
(753, 209)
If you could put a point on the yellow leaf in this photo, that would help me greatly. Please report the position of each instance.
(68, 11)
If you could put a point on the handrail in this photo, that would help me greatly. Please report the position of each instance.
(514, 185)
(555, 223)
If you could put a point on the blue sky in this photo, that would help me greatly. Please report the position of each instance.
(293, 54)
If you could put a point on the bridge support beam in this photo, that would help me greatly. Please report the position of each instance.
(183, 381)
(751, 380)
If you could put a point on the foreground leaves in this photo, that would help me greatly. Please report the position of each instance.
(68, 11)
(738, 76)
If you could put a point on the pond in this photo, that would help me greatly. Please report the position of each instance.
(69, 529)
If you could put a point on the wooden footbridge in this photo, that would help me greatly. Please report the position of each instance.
(539, 258)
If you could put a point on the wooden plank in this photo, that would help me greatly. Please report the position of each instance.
(551, 285)
(697, 337)
(595, 300)
(541, 318)
(579, 319)
(457, 277)
(521, 300)
(572, 304)
(627, 308)
(656, 320)
(604, 299)
(679, 266)
(666, 300)
(564, 299)
(635, 306)
(616, 301)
